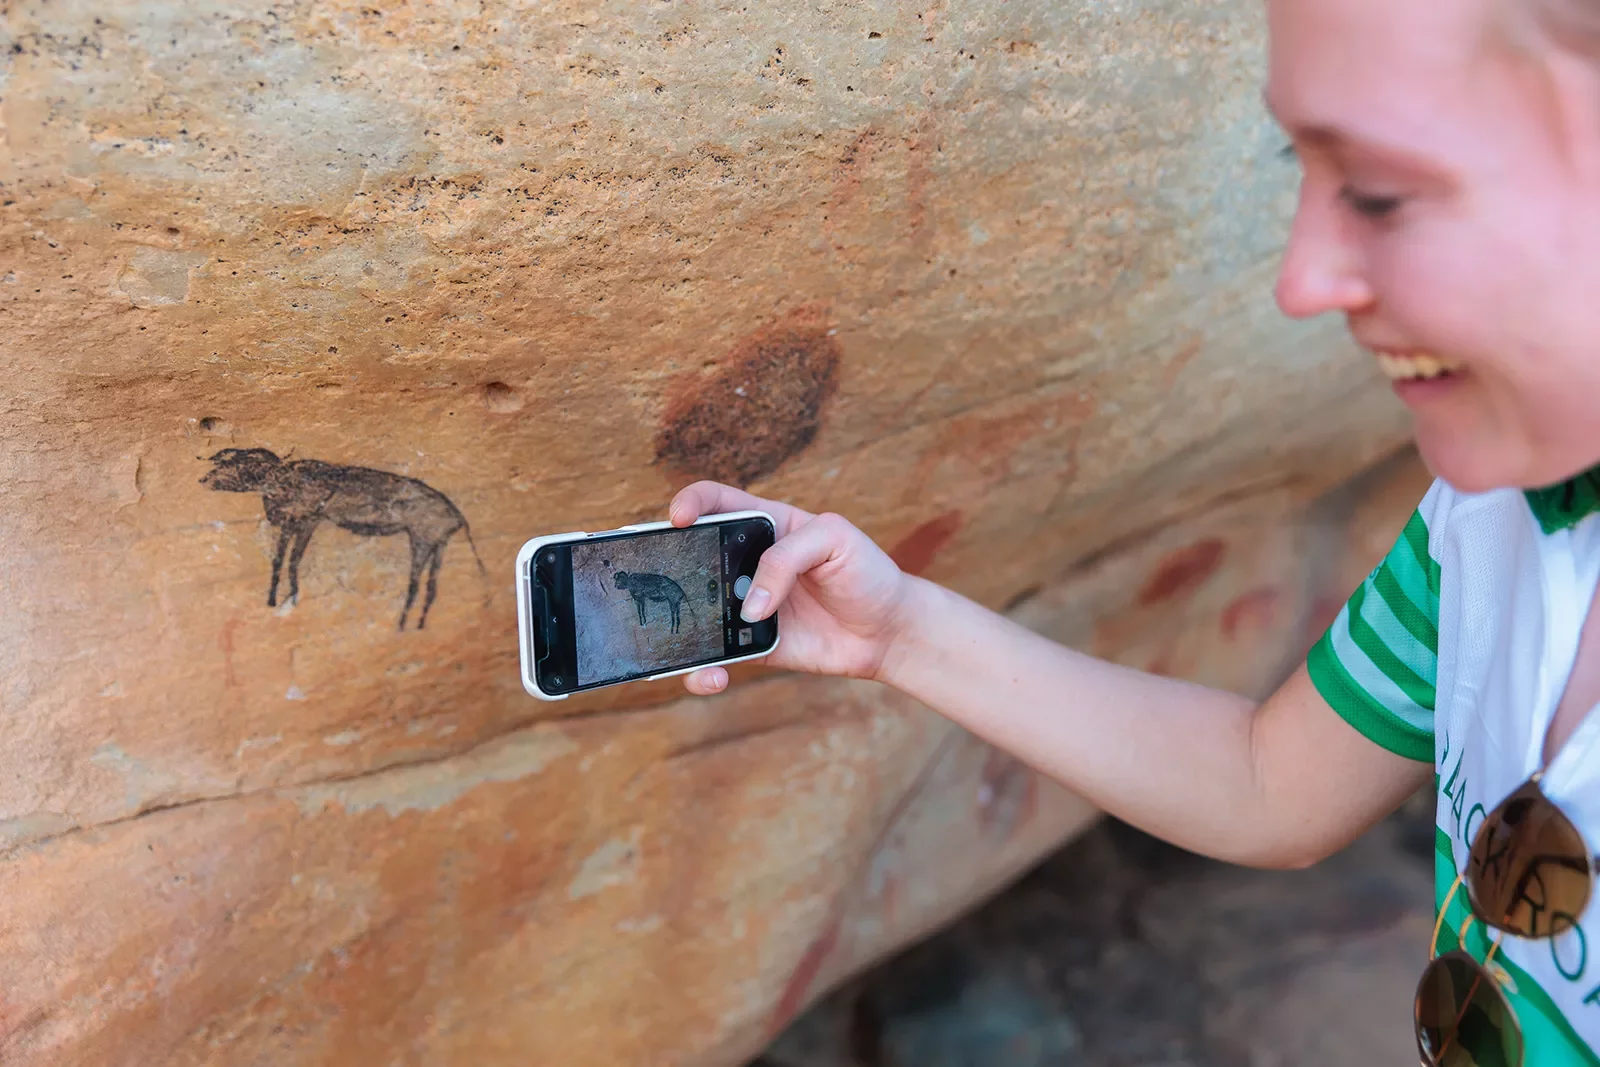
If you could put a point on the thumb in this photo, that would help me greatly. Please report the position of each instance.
(816, 543)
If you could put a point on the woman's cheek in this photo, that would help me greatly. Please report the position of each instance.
(1437, 293)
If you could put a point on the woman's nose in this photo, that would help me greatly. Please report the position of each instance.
(1322, 266)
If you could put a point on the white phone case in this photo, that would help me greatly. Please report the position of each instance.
(525, 636)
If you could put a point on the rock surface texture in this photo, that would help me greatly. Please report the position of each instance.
(991, 278)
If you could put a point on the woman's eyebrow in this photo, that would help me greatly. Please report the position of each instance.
(1335, 139)
(1318, 134)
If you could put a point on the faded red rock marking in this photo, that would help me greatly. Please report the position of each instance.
(916, 551)
(1008, 789)
(1255, 609)
(1163, 663)
(225, 640)
(1324, 611)
(1183, 571)
(978, 450)
(848, 177)
(919, 174)
(805, 973)
(1185, 356)
(891, 899)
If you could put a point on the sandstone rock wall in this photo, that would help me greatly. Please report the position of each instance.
(992, 278)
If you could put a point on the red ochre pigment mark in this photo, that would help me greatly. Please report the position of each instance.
(1254, 610)
(1324, 611)
(805, 973)
(229, 679)
(1164, 662)
(920, 147)
(1183, 571)
(14, 1024)
(891, 899)
(1006, 795)
(761, 407)
(1183, 357)
(916, 551)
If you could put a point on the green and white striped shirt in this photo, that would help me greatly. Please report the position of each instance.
(1456, 650)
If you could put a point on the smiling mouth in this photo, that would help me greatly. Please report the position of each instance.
(1416, 366)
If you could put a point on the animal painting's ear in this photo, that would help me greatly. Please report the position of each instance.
(225, 455)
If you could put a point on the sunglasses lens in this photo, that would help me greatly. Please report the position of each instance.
(1463, 1019)
(1528, 873)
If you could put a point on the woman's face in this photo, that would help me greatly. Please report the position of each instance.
(1450, 209)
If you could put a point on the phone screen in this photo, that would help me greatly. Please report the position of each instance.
(617, 607)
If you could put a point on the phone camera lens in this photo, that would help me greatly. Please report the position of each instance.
(556, 682)
(549, 557)
(741, 539)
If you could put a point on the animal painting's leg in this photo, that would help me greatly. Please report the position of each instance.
(277, 565)
(302, 538)
(435, 557)
(419, 557)
(677, 614)
(638, 603)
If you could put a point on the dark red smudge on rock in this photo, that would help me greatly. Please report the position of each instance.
(761, 407)
(1183, 571)
(916, 551)
(1324, 612)
(1256, 609)
(805, 973)
(1007, 794)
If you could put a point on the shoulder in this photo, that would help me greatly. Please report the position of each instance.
(1453, 533)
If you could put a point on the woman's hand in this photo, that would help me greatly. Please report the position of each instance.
(840, 598)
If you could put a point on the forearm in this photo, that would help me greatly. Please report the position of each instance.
(1196, 766)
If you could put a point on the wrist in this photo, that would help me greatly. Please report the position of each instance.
(907, 640)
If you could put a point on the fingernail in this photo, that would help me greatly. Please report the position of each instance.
(718, 679)
(755, 604)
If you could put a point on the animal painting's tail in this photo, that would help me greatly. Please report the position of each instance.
(474, 546)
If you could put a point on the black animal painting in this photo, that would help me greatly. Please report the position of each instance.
(299, 495)
(657, 587)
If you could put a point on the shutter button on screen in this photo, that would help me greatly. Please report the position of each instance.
(741, 586)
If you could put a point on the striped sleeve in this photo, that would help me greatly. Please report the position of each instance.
(1378, 663)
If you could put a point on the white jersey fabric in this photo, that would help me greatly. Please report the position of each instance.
(1457, 649)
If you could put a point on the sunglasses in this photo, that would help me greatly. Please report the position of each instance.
(1530, 875)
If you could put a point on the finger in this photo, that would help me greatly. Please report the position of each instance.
(707, 682)
(713, 498)
(816, 542)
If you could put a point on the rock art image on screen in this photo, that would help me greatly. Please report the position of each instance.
(635, 611)
(300, 495)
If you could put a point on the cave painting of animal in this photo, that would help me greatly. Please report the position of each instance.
(654, 587)
(301, 494)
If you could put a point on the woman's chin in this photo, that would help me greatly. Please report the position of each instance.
(1474, 462)
(1468, 462)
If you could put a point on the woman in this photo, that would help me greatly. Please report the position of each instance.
(1450, 210)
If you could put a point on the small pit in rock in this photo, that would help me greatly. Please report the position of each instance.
(501, 399)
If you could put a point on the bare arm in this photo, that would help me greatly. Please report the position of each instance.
(1280, 784)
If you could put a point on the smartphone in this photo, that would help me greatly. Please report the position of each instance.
(642, 602)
